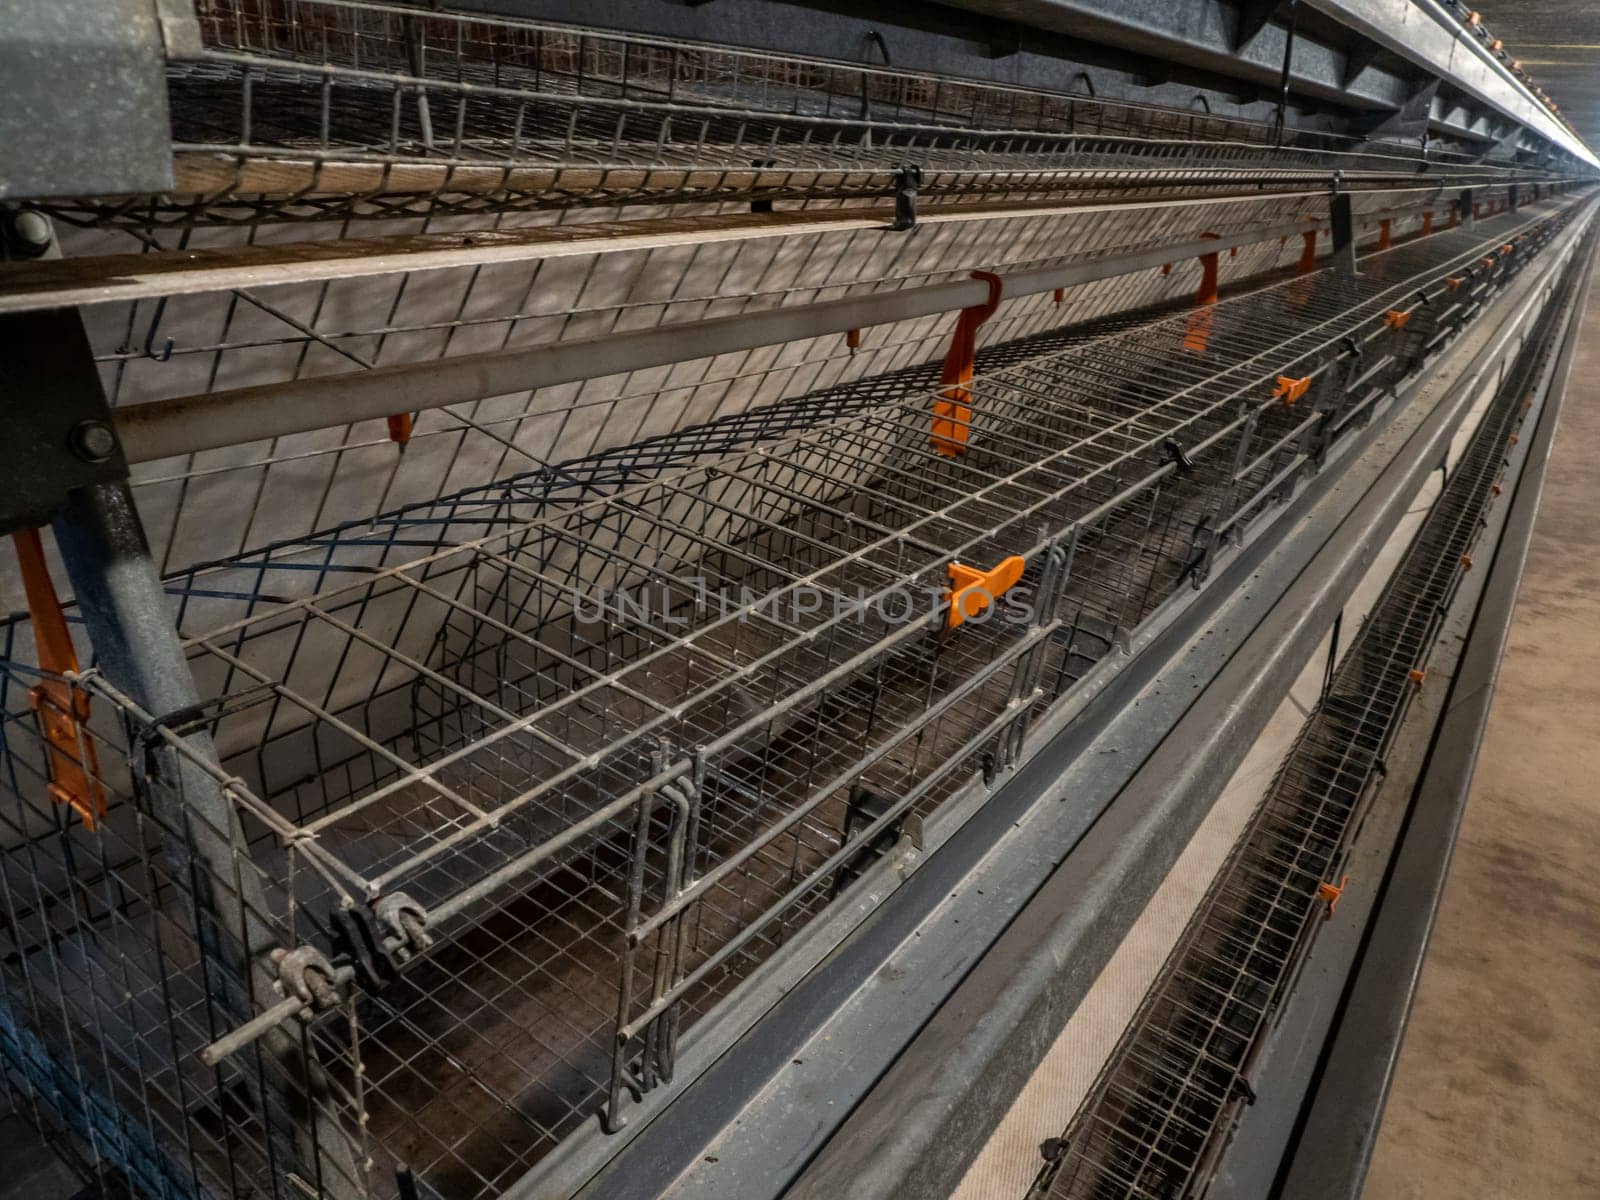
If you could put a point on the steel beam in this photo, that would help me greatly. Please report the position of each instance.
(183, 425)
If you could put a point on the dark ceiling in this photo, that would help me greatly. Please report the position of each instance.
(1558, 44)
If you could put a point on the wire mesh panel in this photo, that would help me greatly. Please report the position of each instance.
(489, 800)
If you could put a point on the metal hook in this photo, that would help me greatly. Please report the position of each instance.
(150, 337)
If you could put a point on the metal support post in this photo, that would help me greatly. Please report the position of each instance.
(1464, 206)
(1344, 233)
(130, 623)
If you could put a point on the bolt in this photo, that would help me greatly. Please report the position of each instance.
(30, 234)
(93, 441)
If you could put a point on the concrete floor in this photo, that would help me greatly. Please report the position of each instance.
(1498, 1084)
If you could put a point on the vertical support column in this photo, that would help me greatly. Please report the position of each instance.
(130, 622)
(1512, 199)
(1344, 233)
(1466, 208)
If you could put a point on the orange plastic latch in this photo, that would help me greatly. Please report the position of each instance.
(1290, 389)
(1466, 562)
(1197, 328)
(1496, 488)
(400, 428)
(952, 412)
(1208, 274)
(1395, 319)
(1059, 295)
(1515, 439)
(1506, 249)
(1308, 250)
(1329, 893)
(972, 590)
(852, 339)
(1487, 260)
(1166, 268)
(1452, 282)
(1417, 675)
(62, 708)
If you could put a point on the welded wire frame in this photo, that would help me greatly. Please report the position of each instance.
(1163, 1109)
(619, 747)
(228, 502)
(318, 109)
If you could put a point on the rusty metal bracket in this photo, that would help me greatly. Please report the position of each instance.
(54, 420)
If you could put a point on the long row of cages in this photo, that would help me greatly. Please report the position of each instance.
(316, 110)
(534, 751)
(507, 801)
(1165, 1107)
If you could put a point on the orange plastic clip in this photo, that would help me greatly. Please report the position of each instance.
(1208, 274)
(1059, 295)
(1487, 260)
(1308, 251)
(1506, 249)
(1452, 282)
(952, 412)
(1417, 675)
(1395, 319)
(1290, 389)
(62, 707)
(400, 428)
(1466, 562)
(852, 339)
(972, 590)
(1329, 893)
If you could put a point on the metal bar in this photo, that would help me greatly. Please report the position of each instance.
(184, 425)
(109, 278)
